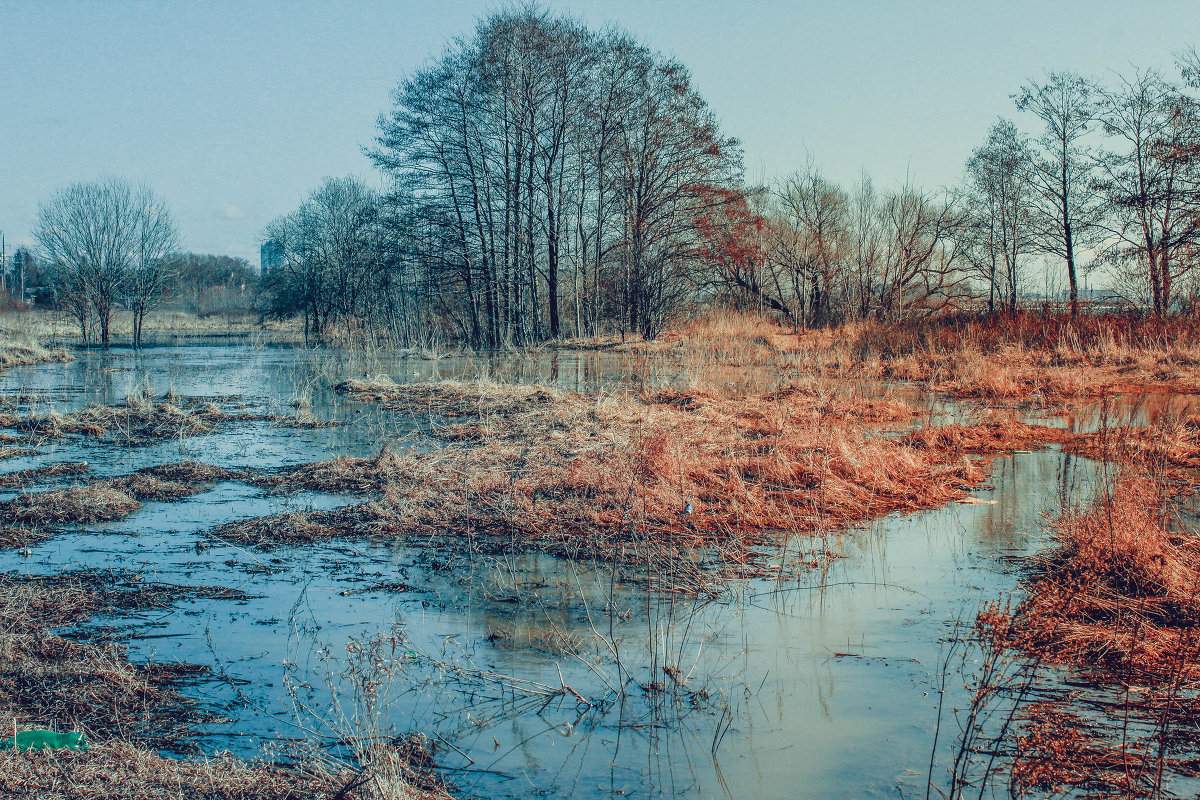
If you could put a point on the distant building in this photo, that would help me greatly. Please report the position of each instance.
(270, 257)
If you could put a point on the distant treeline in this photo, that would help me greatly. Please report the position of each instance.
(544, 180)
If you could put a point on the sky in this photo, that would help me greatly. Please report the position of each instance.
(234, 111)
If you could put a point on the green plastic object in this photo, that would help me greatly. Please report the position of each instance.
(45, 740)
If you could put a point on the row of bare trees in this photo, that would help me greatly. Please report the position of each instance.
(544, 180)
(1110, 179)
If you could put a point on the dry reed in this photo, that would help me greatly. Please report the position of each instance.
(617, 477)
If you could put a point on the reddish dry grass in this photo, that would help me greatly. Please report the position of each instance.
(1115, 602)
(1119, 591)
(988, 438)
(1170, 449)
(1028, 356)
(613, 477)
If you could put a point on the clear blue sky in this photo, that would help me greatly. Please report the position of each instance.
(234, 110)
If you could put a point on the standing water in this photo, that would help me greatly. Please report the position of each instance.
(821, 683)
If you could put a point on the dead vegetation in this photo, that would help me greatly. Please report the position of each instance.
(50, 680)
(624, 476)
(1169, 449)
(28, 477)
(133, 422)
(78, 505)
(15, 353)
(1119, 591)
(29, 517)
(131, 711)
(986, 438)
(1019, 357)
(1116, 603)
(119, 770)
(143, 420)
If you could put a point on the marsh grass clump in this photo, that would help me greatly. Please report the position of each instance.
(617, 477)
(129, 712)
(27, 477)
(119, 770)
(28, 515)
(1169, 449)
(986, 438)
(1115, 604)
(47, 679)
(136, 421)
(289, 528)
(343, 475)
(78, 505)
(1120, 590)
(17, 353)
(14, 536)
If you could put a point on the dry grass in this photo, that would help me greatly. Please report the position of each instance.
(78, 505)
(1005, 357)
(136, 421)
(50, 681)
(15, 353)
(622, 476)
(130, 711)
(120, 770)
(1029, 356)
(1116, 602)
(1169, 449)
(26, 518)
(987, 438)
(28, 477)
(1119, 591)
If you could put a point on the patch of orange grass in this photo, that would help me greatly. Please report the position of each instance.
(1026, 356)
(1170, 449)
(617, 476)
(1119, 591)
(989, 438)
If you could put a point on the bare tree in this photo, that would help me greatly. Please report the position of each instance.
(815, 212)
(331, 248)
(997, 202)
(95, 236)
(1065, 208)
(920, 255)
(1151, 184)
(153, 237)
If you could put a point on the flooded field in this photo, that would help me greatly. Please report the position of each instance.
(844, 679)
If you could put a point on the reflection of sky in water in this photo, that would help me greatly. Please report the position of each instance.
(826, 679)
